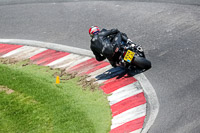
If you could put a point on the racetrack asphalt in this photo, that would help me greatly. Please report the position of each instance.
(168, 32)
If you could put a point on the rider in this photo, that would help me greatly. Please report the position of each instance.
(105, 43)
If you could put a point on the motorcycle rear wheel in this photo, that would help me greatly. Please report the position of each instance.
(141, 62)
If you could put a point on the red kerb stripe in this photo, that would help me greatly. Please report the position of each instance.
(52, 58)
(129, 126)
(42, 55)
(114, 84)
(103, 64)
(128, 103)
(6, 48)
(84, 64)
(48, 56)
(88, 66)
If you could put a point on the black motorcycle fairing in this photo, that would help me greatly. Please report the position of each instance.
(138, 62)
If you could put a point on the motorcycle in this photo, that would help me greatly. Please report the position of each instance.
(132, 57)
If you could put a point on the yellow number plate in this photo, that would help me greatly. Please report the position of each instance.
(129, 56)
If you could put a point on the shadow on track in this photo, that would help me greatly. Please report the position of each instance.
(117, 72)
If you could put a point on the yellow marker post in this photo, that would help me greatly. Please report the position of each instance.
(57, 80)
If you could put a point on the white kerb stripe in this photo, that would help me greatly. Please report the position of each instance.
(37, 51)
(98, 72)
(63, 59)
(14, 52)
(75, 62)
(25, 52)
(124, 92)
(128, 115)
(137, 131)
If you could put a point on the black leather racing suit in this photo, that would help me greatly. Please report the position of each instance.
(104, 43)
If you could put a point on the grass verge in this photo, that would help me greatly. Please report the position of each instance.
(30, 101)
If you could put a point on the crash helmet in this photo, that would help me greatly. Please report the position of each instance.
(93, 30)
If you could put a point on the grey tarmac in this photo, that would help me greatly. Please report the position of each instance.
(168, 31)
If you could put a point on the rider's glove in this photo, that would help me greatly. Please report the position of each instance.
(129, 41)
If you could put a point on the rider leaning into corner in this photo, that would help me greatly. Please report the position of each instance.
(106, 43)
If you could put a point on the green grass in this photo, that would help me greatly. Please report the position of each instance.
(38, 105)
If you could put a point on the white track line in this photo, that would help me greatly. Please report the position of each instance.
(137, 131)
(53, 46)
(152, 99)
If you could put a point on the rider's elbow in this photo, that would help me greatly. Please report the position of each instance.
(101, 58)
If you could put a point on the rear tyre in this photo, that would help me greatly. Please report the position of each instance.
(142, 63)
